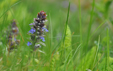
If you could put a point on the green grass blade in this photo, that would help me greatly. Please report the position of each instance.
(90, 23)
(66, 22)
(96, 55)
(10, 7)
(107, 52)
(80, 21)
(98, 28)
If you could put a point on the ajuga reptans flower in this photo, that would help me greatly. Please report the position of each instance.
(37, 31)
(12, 36)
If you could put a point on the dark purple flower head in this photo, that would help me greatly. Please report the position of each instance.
(13, 42)
(14, 23)
(32, 31)
(42, 15)
(15, 29)
(29, 43)
(37, 31)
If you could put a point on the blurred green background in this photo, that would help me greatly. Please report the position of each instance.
(24, 12)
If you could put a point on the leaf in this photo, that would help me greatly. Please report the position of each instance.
(88, 60)
(66, 51)
(102, 64)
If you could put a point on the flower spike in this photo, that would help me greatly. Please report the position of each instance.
(37, 31)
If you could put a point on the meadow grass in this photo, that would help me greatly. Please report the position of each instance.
(80, 35)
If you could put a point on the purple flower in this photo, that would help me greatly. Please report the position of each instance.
(32, 24)
(14, 39)
(37, 31)
(44, 29)
(29, 43)
(32, 31)
(43, 39)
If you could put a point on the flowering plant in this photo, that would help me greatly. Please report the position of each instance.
(37, 31)
(12, 41)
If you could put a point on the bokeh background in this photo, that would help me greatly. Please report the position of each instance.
(24, 12)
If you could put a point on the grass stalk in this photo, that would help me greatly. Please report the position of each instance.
(89, 30)
(96, 55)
(107, 52)
(97, 28)
(65, 32)
(66, 23)
(90, 24)
(80, 21)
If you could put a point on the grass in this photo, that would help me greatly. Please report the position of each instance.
(79, 37)
(90, 24)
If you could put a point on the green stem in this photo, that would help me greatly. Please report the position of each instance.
(107, 52)
(80, 22)
(90, 24)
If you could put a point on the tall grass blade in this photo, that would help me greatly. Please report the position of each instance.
(90, 24)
